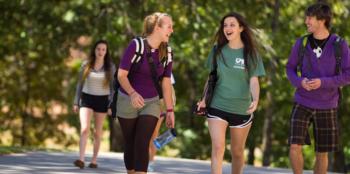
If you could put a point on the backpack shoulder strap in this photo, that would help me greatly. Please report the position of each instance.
(153, 70)
(215, 63)
(140, 48)
(338, 54)
(301, 51)
(168, 58)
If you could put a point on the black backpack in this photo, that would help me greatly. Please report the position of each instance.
(141, 46)
(337, 51)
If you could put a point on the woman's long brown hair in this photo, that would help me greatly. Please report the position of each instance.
(249, 49)
(107, 63)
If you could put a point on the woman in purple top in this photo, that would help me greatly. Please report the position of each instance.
(138, 105)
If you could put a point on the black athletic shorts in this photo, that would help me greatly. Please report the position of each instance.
(233, 120)
(94, 102)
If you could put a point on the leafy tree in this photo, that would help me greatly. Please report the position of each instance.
(38, 76)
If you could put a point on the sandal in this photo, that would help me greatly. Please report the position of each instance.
(79, 164)
(92, 165)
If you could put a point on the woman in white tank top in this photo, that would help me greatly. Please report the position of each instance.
(93, 93)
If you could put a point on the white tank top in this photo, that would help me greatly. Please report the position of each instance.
(94, 84)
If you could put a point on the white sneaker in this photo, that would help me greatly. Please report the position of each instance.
(150, 167)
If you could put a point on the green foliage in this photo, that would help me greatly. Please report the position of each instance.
(36, 73)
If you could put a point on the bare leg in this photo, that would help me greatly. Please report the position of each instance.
(321, 164)
(238, 139)
(217, 130)
(85, 118)
(99, 119)
(296, 158)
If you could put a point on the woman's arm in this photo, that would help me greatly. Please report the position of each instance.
(78, 89)
(201, 103)
(167, 94)
(111, 83)
(255, 91)
(136, 99)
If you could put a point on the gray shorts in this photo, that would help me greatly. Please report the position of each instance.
(125, 109)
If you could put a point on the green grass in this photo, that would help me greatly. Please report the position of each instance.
(19, 149)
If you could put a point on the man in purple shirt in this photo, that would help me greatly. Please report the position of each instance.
(316, 97)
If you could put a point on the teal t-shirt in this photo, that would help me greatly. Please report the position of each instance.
(232, 90)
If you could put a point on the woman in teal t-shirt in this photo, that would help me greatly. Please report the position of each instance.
(236, 94)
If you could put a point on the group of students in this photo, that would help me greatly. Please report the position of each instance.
(236, 96)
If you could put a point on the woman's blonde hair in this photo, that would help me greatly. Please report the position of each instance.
(149, 23)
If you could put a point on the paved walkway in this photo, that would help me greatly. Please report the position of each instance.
(59, 163)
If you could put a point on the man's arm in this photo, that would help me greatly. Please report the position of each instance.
(292, 64)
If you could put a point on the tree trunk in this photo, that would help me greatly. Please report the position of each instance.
(251, 157)
(337, 159)
(115, 136)
(192, 90)
(24, 113)
(338, 162)
(267, 129)
(276, 13)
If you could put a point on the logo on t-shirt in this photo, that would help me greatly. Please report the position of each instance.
(239, 63)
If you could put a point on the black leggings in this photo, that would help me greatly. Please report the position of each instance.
(137, 133)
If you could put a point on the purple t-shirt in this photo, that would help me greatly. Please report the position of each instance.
(325, 97)
(141, 76)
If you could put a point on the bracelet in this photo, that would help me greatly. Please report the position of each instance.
(170, 110)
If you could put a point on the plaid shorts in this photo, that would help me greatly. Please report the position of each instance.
(325, 128)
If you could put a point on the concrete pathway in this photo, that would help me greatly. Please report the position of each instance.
(59, 163)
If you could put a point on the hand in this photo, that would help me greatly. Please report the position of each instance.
(314, 83)
(201, 104)
(200, 108)
(75, 108)
(109, 111)
(305, 84)
(252, 107)
(137, 100)
(170, 120)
